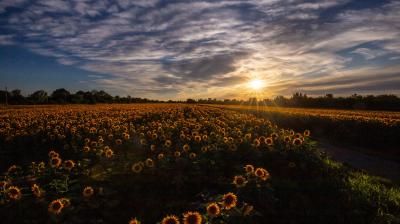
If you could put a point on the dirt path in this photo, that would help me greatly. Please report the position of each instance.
(373, 165)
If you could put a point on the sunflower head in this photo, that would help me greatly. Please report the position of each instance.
(186, 148)
(14, 193)
(160, 156)
(69, 164)
(88, 191)
(36, 191)
(307, 133)
(134, 221)
(149, 162)
(55, 162)
(192, 218)
(137, 167)
(229, 200)
(239, 181)
(170, 219)
(213, 209)
(297, 141)
(109, 153)
(269, 141)
(249, 169)
(56, 206)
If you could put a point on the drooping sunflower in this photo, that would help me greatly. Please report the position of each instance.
(213, 209)
(239, 181)
(14, 193)
(170, 219)
(134, 221)
(229, 200)
(69, 164)
(56, 206)
(36, 191)
(137, 167)
(192, 218)
(88, 191)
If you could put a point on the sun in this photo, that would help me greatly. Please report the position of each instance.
(256, 84)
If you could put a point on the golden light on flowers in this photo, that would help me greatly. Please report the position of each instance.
(134, 221)
(229, 201)
(192, 218)
(88, 191)
(256, 84)
(213, 210)
(14, 193)
(170, 219)
(239, 181)
(56, 206)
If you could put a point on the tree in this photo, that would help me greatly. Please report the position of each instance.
(61, 96)
(39, 97)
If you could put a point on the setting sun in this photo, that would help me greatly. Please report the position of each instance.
(256, 84)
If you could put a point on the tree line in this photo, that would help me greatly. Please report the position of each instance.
(63, 96)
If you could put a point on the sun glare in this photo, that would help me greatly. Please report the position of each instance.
(256, 84)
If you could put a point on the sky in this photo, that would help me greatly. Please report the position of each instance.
(173, 49)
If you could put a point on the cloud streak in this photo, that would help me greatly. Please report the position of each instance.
(178, 49)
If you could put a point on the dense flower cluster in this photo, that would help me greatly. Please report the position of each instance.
(88, 144)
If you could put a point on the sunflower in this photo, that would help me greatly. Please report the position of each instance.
(160, 156)
(168, 143)
(36, 190)
(52, 154)
(170, 219)
(197, 138)
(262, 173)
(229, 200)
(55, 162)
(149, 162)
(4, 184)
(118, 141)
(14, 193)
(12, 169)
(153, 148)
(192, 218)
(249, 169)
(287, 139)
(177, 154)
(56, 207)
(239, 181)
(109, 153)
(297, 141)
(192, 155)
(213, 209)
(69, 164)
(256, 143)
(86, 149)
(307, 133)
(269, 141)
(186, 148)
(134, 221)
(65, 201)
(137, 167)
(88, 191)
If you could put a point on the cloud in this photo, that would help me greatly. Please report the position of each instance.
(208, 47)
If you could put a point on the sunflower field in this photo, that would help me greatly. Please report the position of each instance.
(175, 163)
(376, 130)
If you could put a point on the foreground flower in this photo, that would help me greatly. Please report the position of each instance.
(55, 162)
(192, 218)
(229, 201)
(262, 173)
(239, 181)
(56, 207)
(14, 193)
(170, 219)
(134, 221)
(213, 210)
(88, 191)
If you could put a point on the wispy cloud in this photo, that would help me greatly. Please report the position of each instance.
(190, 48)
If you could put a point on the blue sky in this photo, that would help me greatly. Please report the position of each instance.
(178, 49)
